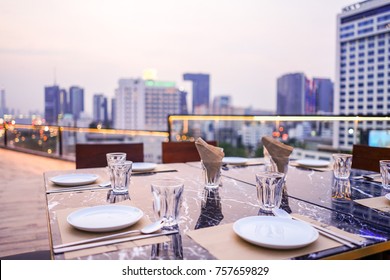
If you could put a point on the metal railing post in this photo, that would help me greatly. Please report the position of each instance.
(5, 134)
(60, 151)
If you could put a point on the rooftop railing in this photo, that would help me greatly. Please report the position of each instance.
(311, 136)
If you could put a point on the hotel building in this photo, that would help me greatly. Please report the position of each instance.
(362, 85)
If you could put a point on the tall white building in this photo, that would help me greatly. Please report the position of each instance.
(145, 105)
(362, 85)
(130, 104)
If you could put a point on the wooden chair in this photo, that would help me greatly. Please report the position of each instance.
(173, 152)
(367, 157)
(94, 155)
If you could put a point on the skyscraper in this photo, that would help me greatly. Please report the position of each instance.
(130, 104)
(183, 103)
(141, 104)
(323, 94)
(52, 104)
(76, 101)
(3, 108)
(200, 89)
(100, 110)
(292, 90)
(362, 84)
(161, 99)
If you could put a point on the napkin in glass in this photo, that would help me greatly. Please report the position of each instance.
(211, 156)
(278, 152)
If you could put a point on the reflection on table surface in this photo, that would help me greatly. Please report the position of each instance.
(309, 193)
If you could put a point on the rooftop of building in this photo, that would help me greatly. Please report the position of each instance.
(23, 226)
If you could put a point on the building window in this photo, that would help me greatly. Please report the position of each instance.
(381, 59)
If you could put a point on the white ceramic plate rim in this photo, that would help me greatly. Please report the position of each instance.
(313, 162)
(74, 179)
(305, 232)
(234, 160)
(143, 166)
(104, 218)
(388, 196)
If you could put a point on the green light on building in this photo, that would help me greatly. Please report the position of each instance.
(159, 84)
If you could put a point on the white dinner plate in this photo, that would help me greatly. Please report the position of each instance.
(104, 217)
(143, 166)
(388, 196)
(313, 162)
(234, 160)
(275, 232)
(75, 179)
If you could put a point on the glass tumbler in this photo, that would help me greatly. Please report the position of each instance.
(269, 187)
(342, 164)
(385, 173)
(121, 172)
(167, 200)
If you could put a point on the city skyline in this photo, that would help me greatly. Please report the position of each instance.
(243, 45)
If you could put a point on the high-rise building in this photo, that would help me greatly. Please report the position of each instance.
(183, 103)
(100, 110)
(76, 101)
(222, 105)
(3, 108)
(141, 104)
(292, 90)
(322, 90)
(362, 85)
(130, 104)
(161, 99)
(200, 89)
(113, 110)
(52, 104)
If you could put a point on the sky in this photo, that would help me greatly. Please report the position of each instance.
(245, 45)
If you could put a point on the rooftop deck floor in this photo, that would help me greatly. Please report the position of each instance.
(23, 225)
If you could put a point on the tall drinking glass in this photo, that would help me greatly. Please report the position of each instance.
(269, 187)
(385, 173)
(167, 199)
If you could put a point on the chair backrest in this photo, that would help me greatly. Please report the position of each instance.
(94, 155)
(181, 151)
(367, 157)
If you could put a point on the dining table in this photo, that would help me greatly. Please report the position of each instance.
(207, 228)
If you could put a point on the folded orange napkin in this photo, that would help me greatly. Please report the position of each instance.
(278, 152)
(210, 155)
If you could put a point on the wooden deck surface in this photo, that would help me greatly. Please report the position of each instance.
(23, 225)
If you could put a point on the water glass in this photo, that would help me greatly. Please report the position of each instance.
(167, 200)
(114, 158)
(385, 173)
(121, 172)
(269, 187)
(342, 165)
(211, 174)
